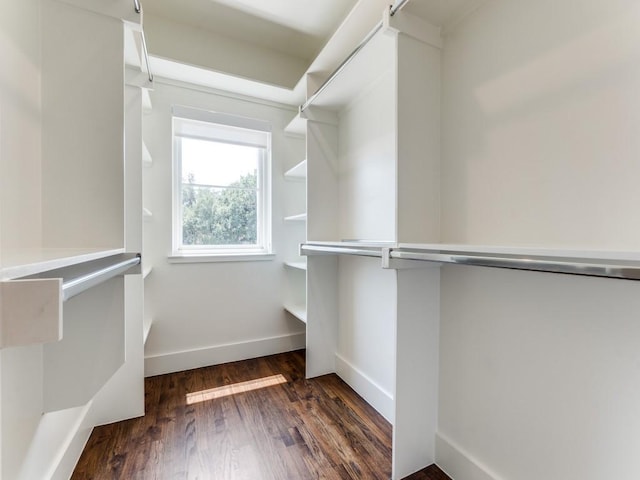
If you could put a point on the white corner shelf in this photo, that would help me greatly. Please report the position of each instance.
(146, 328)
(298, 311)
(296, 265)
(146, 271)
(297, 126)
(147, 159)
(302, 217)
(146, 214)
(298, 172)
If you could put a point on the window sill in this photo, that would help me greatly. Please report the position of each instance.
(220, 257)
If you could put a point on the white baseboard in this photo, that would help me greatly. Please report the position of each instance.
(368, 389)
(457, 463)
(203, 357)
(56, 445)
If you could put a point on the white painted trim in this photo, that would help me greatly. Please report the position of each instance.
(203, 357)
(367, 388)
(57, 444)
(459, 464)
(215, 257)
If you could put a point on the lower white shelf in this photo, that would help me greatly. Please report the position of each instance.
(298, 311)
(302, 217)
(296, 265)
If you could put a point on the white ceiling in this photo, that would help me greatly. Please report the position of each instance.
(298, 29)
(295, 27)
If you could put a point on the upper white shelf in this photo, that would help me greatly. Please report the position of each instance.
(360, 75)
(298, 172)
(22, 263)
(297, 126)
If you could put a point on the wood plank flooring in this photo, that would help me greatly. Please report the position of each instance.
(258, 419)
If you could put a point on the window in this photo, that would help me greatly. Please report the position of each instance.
(221, 194)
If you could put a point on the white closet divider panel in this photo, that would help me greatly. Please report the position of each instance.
(91, 350)
(31, 312)
(322, 178)
(322, 318)
(416, 369)
(418, 141)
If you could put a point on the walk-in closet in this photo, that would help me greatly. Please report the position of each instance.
(290, 239)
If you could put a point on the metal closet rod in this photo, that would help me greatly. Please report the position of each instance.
(78, 285)
(608, 268)
(392, 11)
(138, 8)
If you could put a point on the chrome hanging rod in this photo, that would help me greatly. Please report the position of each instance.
(392, 11)
(397, 6)
(138, 8)
(78, 285)
(572, 265)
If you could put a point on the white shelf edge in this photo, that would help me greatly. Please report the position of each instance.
(296, 265)
(297, 126)
(147, 159)
(146, 329)
(298, 172)
(34, 261)
(298, 311)
(302, 217)
(146, 271)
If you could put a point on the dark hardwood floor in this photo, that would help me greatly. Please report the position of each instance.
(252, 420)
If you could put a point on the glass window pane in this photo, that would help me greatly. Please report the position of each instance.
(219, 164)
(219, 216)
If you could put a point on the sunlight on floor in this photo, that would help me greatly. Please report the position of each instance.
(241, 387)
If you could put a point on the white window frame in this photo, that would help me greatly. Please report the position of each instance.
(262, 250)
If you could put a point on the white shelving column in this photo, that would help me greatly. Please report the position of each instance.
(295, 301)
(373, 156)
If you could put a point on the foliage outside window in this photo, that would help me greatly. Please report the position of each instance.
(221, 184)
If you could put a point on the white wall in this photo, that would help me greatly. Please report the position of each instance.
(20, 131)
(539, 372)
(366, 150)
(209, 313)
(540, 116)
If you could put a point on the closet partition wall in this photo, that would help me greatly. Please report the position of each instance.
(372, 181)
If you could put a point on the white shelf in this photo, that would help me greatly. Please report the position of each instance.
(21, 263)
(146, 328)
(297, 126)
(146, 271)
(146, 214)
(147, 160)
(298, 311)
(298, 172)
(296, 265)
(302, 217)
(360, 75)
